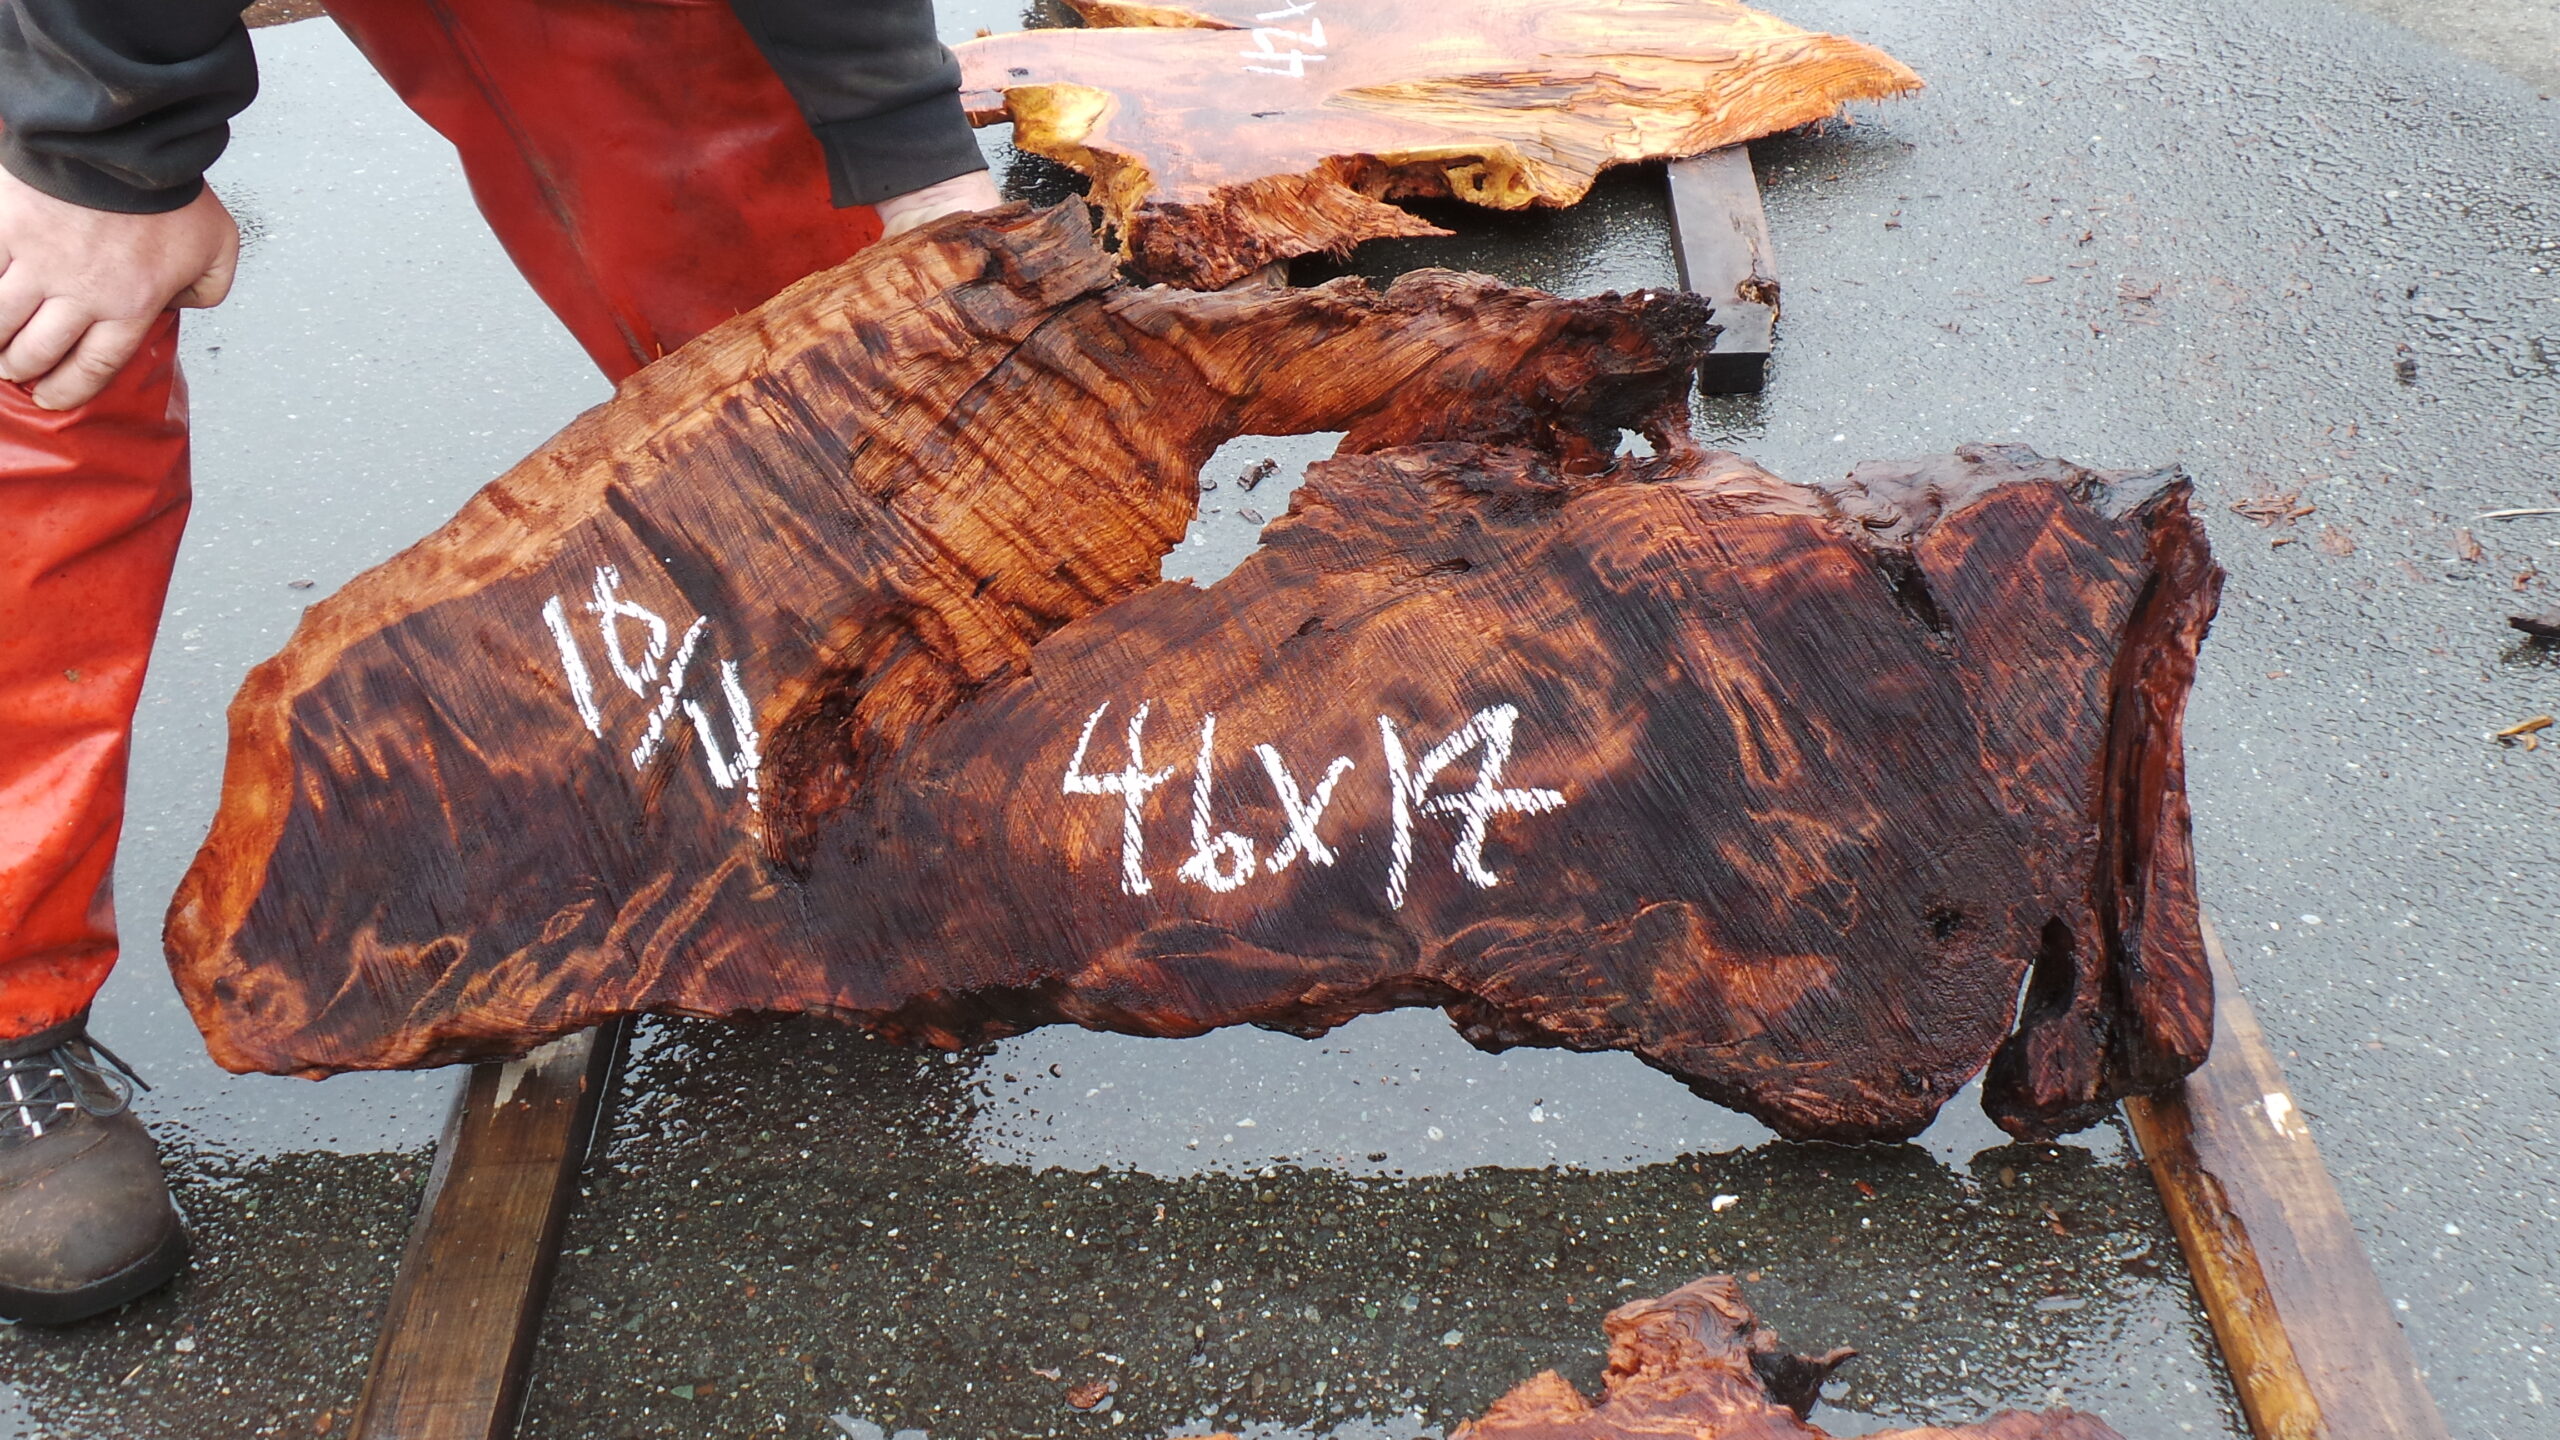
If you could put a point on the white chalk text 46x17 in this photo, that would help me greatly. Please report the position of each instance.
(1224, 860)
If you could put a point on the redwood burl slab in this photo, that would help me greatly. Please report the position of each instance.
(1696, 1364)
(1222, 135)
(825, 670)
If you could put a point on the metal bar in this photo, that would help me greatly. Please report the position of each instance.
(1720, 236)
(457, 1336)
(2309, 1339)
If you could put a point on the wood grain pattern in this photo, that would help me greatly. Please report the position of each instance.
(1697, 1364)
(2310, 1341)
(1783, 788)
(1223, 135)
(456, 1343)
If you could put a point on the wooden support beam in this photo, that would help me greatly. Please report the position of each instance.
(2310, 1341)
(1721, 237)
(457, 1338)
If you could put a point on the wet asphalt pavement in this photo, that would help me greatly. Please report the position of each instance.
(2294, 249)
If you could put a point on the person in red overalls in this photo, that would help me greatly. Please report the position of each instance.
(653, 166)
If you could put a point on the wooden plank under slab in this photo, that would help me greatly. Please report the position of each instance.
(457, 1337)
(2309, 1339)
(1721, 237)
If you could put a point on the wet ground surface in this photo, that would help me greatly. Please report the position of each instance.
(2285, 245)
(969, 1247)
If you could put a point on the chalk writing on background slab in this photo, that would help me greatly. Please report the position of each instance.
(1268, 39)
(1225, 860)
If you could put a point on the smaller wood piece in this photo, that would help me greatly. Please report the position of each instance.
(1696, 1364)
(2303, 1325)
(457, 1338)
(1721, 237)
(1223, 135)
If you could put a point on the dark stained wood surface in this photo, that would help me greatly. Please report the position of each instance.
(1697, 1364)
(824, 671)
(2309, 1339)
(1720, 236)
(1223, 135)
(457, 1337)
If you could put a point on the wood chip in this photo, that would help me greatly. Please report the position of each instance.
(2529, 732)
(2270, 508)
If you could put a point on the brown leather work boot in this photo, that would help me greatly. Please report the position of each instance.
(86, 1222)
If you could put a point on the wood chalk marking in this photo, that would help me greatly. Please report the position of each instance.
(1225, 861)
(1131, 785)
(742, 763)
(1410, 794)
(742, 725)
(609, 604)
(1303, 814)
(1263, 35)
(582, 688)
(668, 694)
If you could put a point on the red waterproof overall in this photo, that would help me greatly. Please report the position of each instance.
(646, 171)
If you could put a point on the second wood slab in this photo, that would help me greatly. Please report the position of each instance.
(1222, 135)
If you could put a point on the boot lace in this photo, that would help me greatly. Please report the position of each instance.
(42, 1090)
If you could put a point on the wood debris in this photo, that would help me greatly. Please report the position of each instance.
(2528, 731)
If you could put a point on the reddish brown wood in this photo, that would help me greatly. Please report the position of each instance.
(1698, 1365)
(1783, 788)
(1223, 135)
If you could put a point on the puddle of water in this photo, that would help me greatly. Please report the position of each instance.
(1396, 1094)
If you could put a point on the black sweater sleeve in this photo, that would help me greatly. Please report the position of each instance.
(876, 85)
(120, 104)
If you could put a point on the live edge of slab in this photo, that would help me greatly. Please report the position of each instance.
(2300, 1316)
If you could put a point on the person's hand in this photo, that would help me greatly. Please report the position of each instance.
(973, 191)
(79, 288)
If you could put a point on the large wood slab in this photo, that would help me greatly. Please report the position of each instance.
(1223, 135)
(824, 671)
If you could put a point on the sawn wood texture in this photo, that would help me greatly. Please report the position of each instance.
(1222, 135)
(826, 669)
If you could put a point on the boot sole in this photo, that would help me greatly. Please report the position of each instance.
(64, 1307)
